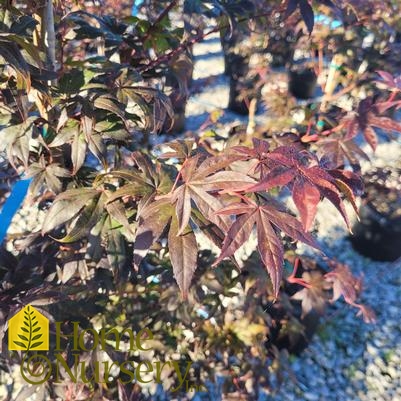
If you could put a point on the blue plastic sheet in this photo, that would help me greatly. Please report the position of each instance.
(135, 10)
(12, 205)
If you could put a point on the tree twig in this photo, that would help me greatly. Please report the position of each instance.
(160, 18)
(191, 41)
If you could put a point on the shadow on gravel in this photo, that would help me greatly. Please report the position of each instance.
(207, 56)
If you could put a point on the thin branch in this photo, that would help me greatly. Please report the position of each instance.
(49, 34)
(183, 46)
(191, 41)
(160, 18)
(164, 13)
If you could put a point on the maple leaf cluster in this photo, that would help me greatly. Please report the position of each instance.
(341, 145)
(226, 197)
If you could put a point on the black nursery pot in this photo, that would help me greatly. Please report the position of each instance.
(377, 235)
(302, 83)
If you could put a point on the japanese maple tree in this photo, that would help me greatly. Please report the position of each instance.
(76, 116)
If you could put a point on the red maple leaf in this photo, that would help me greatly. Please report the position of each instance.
(337, 150)
(313, 295)
(308, 180)
(199, 181)
(268, 218)
(191, 199)
(366, 120)
(394, 85)
(347, 285)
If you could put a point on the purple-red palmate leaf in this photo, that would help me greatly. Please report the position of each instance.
(153, 221)
(308, 181)
(366, 120)
(268, 218)
(314, 294)
(183, 251)
(347, 285)
(199, 181)
(394, 85)
(336, 149)
(193, 199)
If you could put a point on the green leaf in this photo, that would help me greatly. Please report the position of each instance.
(31, 49)
(12, 55)
(86, 220)
(36, 344)
(109, 103)
(94, 249)
(153, 219)
(97, 147)
(162, 44)
(71, 81)
(16, 140)
(133, 190)
(66, 206)
(117, 211)
(23, 25)
(116, 249)
(78, 151)
(155, 105)
(65, 133)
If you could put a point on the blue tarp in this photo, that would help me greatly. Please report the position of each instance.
(135, 10)
(324, 19)
(11, 206)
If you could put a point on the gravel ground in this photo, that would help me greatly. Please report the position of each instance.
(347, 360)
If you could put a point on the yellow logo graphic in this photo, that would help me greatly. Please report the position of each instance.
(28, 330)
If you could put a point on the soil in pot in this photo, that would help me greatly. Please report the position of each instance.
(302, 83)
(239, 70)
(239, 46)
(293, 331)
(243, 87)
(378, 233)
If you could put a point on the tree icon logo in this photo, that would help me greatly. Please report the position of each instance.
(28, 330)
